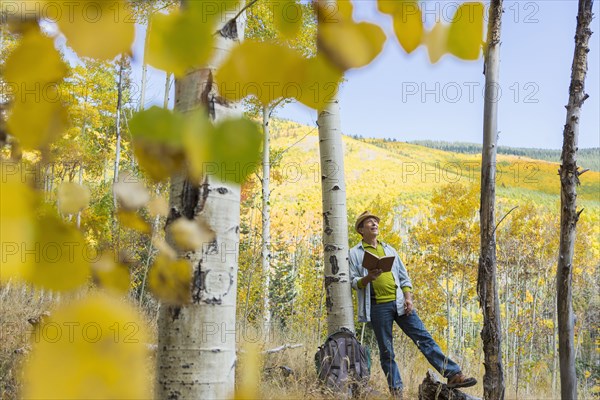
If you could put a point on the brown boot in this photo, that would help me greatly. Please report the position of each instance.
(461, 380)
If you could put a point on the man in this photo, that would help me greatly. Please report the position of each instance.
(385, 297)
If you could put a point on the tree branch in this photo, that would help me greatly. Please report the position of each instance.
(247, 6)
(505, 215)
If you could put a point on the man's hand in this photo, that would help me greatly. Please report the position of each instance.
(408, 303)
(371, 276)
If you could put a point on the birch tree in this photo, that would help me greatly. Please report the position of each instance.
(197, 342)
(491, 334)
(569, 179)
(338, 298)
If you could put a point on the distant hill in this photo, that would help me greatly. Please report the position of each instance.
(586, 158)
(406, 174)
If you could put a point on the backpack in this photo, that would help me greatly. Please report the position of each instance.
(343, 364)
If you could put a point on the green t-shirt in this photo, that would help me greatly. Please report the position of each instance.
(384, 285)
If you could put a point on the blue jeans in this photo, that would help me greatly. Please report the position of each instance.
(382, 320)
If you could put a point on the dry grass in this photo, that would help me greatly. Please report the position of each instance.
(20, 304)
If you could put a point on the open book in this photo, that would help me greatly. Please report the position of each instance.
(371, 262)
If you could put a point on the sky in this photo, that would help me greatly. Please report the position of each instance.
(403, 96)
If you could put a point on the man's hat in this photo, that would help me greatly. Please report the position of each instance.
(362, 217)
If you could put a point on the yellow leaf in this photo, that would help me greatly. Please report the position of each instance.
(350, 45)
(250, 367)
(198, 130)
(345, 9)
(181, 40)
(131, 220)
(528, 297)
(17, 208)
(72, 197)
(248, 72)
(110, 274)
(287, 17)
(97, 29)
(59, 257)
(190, 235)
(158, 206)
(130, 192)
(320, 81)
(408, 25)
(157, 135)
(465, 35)
(33, 64)
(50, 121)
(235, 148)
(436, 41)
(170, 280)
(100, 344)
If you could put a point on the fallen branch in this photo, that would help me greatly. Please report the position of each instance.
(282, 348)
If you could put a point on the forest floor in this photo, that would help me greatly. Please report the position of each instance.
(20, 309)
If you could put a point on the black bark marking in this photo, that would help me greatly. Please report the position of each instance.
(335, 268)
(331, 247)
(175, 312)
(222, 190)
(328, 229)
(173, 215)
(198, 283)
(330, 279)
(336, 187)
(328, 301)
(229, 30)
(212, 248)
(189, 199)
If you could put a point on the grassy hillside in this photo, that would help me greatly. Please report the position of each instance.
(407, 174)
(586, 158)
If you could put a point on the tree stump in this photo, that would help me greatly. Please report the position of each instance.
(433, 389)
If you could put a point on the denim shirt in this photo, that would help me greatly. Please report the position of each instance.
(357, 271)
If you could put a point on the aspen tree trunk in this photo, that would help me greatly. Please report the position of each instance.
(491, 334)
(144, 64)
(80, 181)
(266, 220)
(197, 342)
(167, 90)
(118, 126)
(338, 296)
(569, 179)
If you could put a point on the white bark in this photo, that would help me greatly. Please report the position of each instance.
(167, 91)
(118, 126)
(491, 334)
(266, 220)
(338, 296)
(197, 342)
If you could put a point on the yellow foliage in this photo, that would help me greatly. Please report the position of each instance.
(170, 279)
(34, 85)
(72, 197)
(92, 349)
(287, 17)
(17, 202)
(97, 29)
(59, 260)
(408, 23)
(251, 367)
(110, 274)
(132, 220)
(346, 43)
(465, 36)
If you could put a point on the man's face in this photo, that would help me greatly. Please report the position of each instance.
(370, 227)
